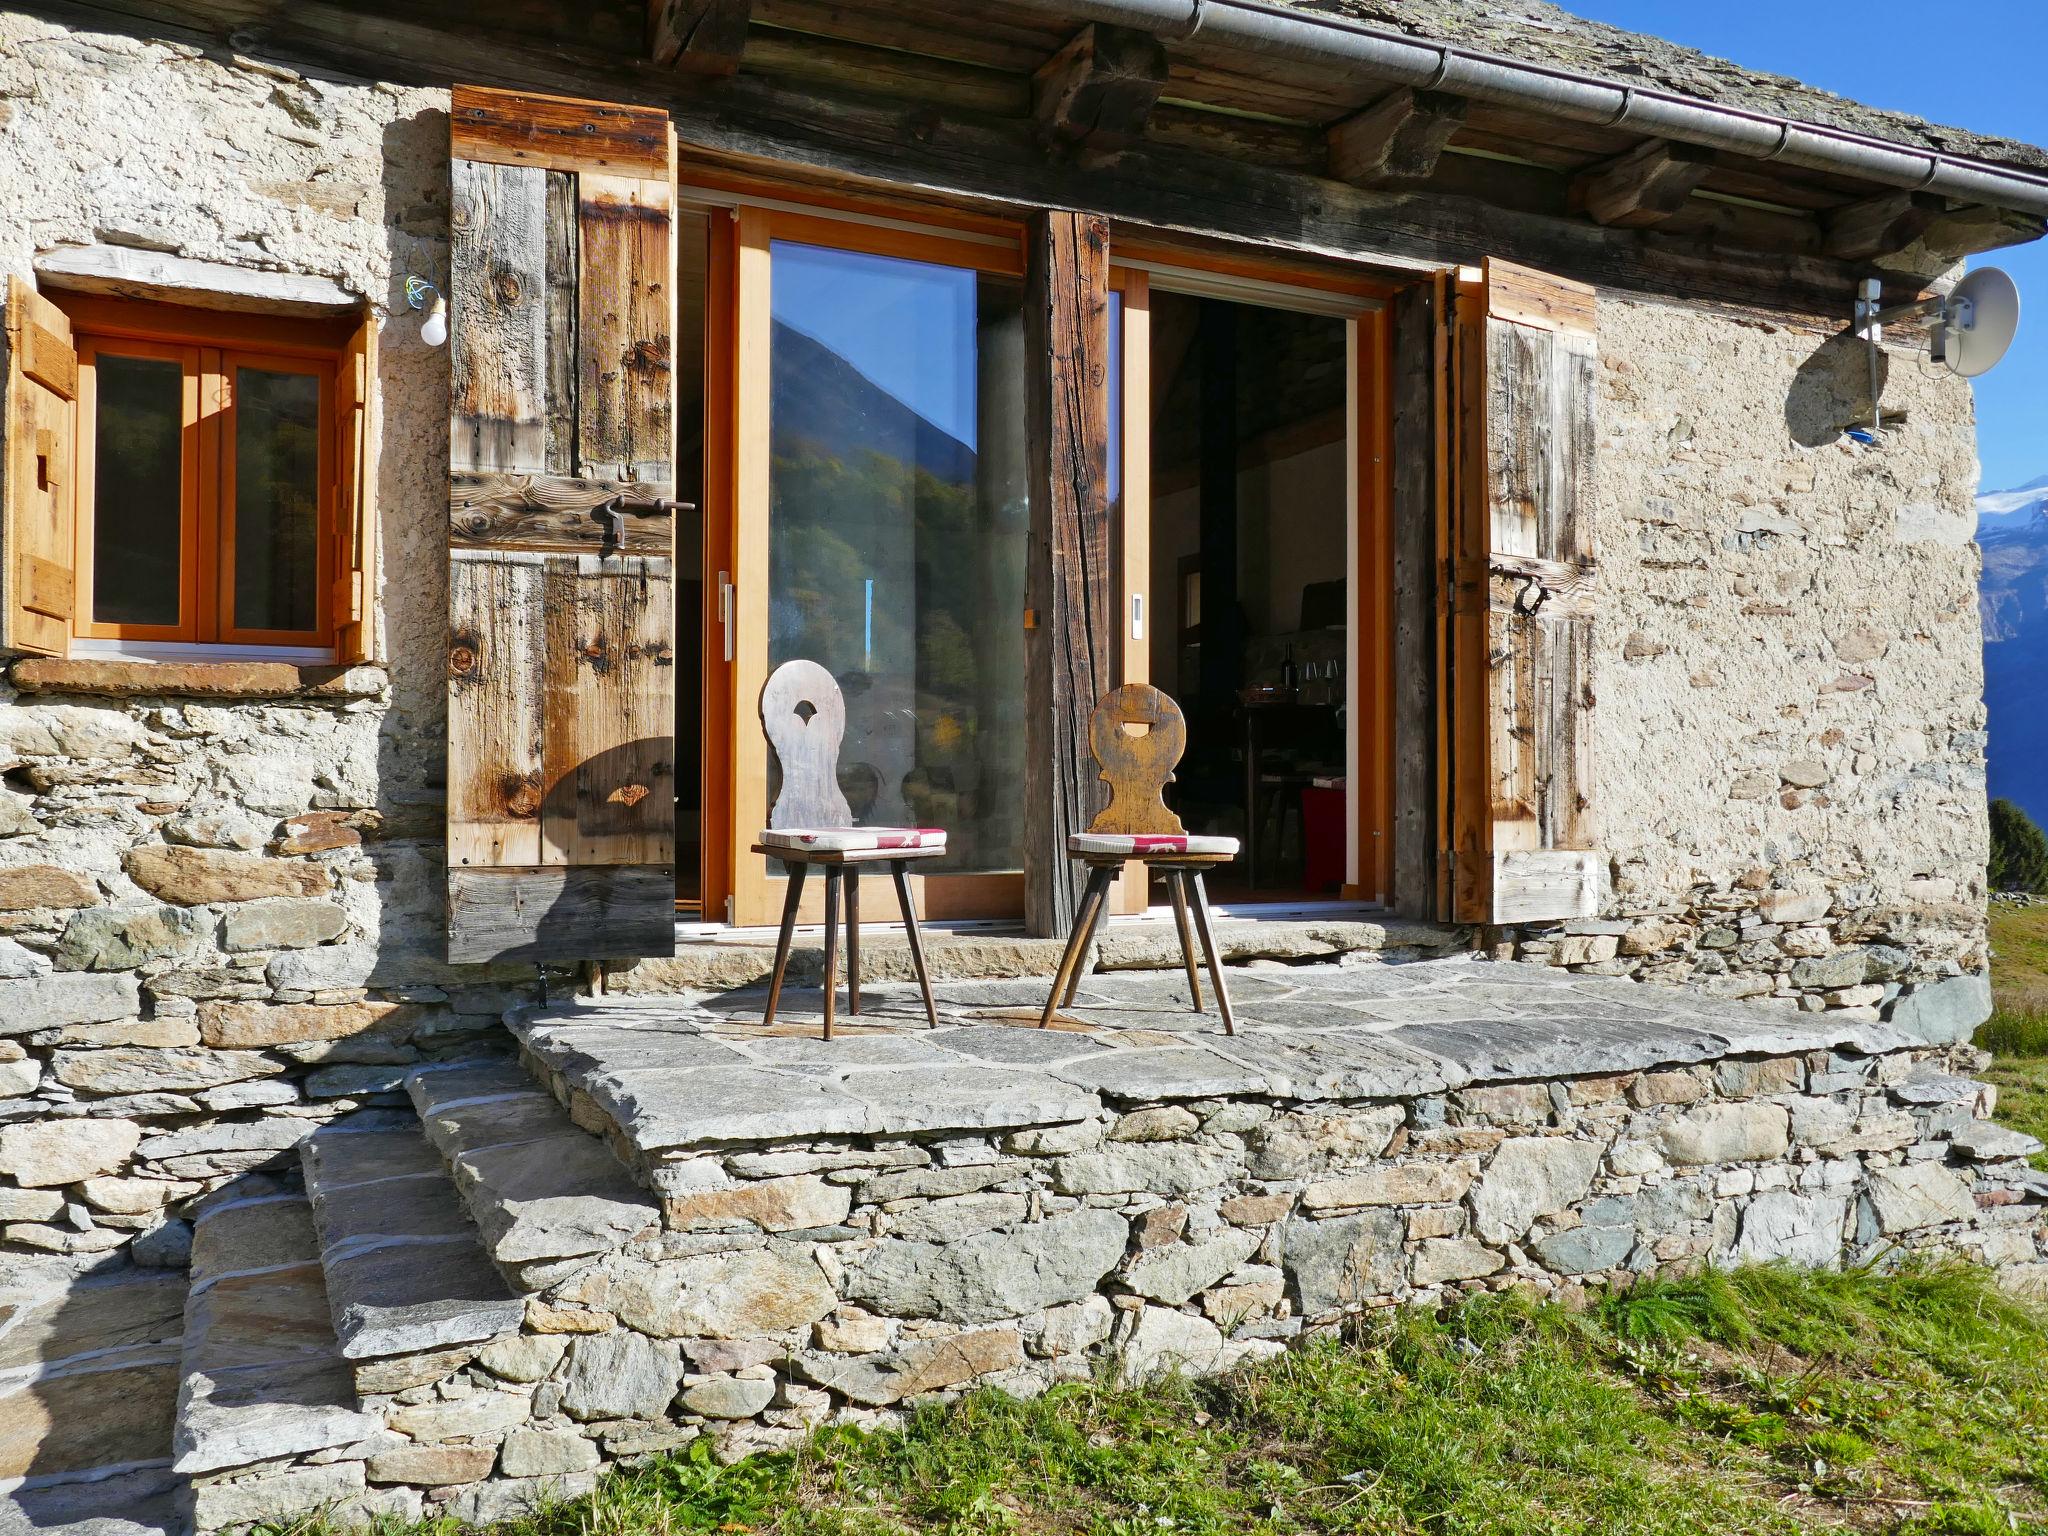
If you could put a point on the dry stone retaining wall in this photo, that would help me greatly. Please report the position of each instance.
(780, 1285)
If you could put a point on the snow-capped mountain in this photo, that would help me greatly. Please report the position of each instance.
(2012, 530)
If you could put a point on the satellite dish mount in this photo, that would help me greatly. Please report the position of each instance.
(1972, 325)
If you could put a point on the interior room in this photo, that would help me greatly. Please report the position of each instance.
(1250, 491)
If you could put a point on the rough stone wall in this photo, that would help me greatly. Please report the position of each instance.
(222, 919)
(1790, 737)
(800, 1282)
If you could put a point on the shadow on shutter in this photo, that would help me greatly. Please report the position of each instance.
(1524, 362)
(561, 622)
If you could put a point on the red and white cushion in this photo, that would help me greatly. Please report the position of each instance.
(855, 839)
(1140, 845)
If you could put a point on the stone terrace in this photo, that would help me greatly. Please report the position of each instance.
(664, 1222)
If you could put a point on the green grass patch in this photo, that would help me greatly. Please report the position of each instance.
(1752, 1401)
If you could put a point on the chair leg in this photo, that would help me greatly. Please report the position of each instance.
(833, 879)
(1093, 913)
(1201, 903)
(850, 887)
(790, 903)
(1097, 880)
(901, 871)
(1176, 885)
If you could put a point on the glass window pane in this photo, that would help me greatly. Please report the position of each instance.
(277, 499)
(898, 528)
(138, 490)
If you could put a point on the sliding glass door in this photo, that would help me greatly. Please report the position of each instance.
(882, 522)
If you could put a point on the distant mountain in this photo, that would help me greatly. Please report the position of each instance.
(819, 396)
(2012, 530)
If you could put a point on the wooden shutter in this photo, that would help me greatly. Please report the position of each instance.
(1518, 520)
(355, 562)
(561, 659)
(41, 439)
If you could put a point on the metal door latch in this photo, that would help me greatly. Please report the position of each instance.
(613, 513)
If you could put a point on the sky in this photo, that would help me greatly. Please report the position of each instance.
(1978, 66)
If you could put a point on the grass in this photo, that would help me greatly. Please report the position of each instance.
(1758, 1400)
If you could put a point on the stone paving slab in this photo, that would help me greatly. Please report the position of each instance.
(261, 1373)
(538, 1187)
(677, 1073)
(404, 1266)
(145, 1501)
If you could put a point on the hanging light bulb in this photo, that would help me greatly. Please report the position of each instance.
(434, 329)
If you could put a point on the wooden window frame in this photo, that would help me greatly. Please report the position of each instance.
(210, 346)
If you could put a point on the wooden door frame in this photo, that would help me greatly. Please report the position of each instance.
(1359, 298)
(747, 214)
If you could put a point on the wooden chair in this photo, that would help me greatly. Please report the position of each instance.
(1137, 765)
(805, 719)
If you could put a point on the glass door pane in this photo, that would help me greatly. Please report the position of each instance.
(897, 533)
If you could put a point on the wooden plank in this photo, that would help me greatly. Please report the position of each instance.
(356, 511)
(551, 512)
(1398, 138)
(844, 63)
(560, 915)
(1099, 90)
(609, 704)
(497, 321)
(563, 242)
(45, 587)
(1969, 231)
(1643, 187)
(557, 133)
(1528, 297)
(1540, 435)
(625, 412)
(1536, 885)
(497, 627)
(705, 37)
(1070, 645)
(1413, 591)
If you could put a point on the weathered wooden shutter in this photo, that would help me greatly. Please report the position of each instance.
(41, 438)
(561, 660)
(1519, 520)
(355, 564)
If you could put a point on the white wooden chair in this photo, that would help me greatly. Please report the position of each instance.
(804, 716)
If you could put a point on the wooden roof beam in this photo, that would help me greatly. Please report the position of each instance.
(1646, 186)
(1880, 226)
(1099, 90)
(704, 37)
(1975, 228)
(1398, 138)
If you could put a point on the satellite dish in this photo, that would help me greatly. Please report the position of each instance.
(1975, 324)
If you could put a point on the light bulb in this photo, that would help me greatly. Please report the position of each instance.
(434, 329)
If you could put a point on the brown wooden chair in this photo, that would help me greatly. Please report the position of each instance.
(1138, 735)
(805, 719)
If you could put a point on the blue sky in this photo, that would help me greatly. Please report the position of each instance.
(1977, 66)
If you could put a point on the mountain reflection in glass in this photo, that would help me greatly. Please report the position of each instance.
(897, 532)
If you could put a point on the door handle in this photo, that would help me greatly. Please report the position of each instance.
(613, 513)
(1137, 615)
(725, 610)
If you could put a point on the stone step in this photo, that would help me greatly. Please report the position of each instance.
(406, 1271)
(147, 1501)
(745, 958)
(263, 1375)
(88, 1384)
(548, 1197)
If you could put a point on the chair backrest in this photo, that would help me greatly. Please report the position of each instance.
(1138, 735)
(805, 719)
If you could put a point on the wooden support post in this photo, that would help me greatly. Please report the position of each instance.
(1100, 88)
(1397, 138)
(1067, 582)
(705, 37)
(1643, 187)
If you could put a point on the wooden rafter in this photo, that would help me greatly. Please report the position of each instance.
(1099, 90)
(703, 36)
(1643, 187)
(1396, 139)
(1880, 226)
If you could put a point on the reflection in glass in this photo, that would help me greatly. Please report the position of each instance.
(898, 518)
(277, 499)
(138, 488)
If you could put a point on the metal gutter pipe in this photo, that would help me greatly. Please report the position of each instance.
(1404, 60)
